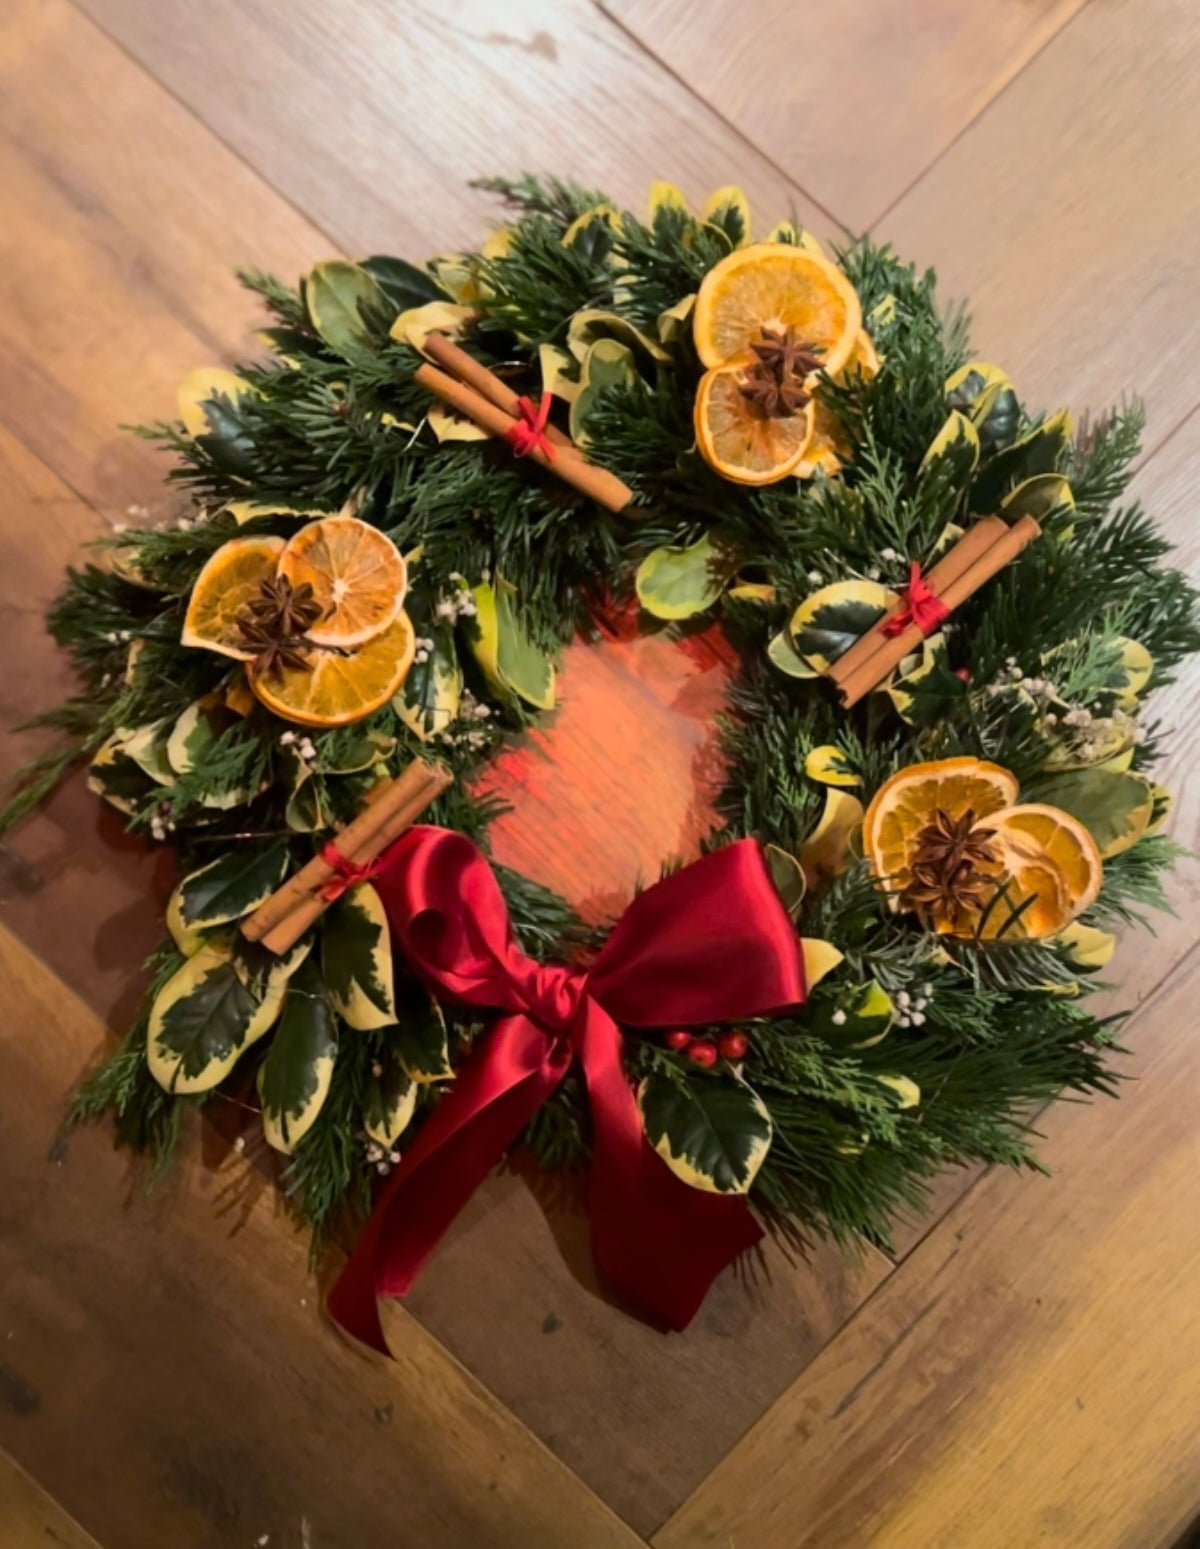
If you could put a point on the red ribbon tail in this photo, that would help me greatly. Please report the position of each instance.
(494, 1096)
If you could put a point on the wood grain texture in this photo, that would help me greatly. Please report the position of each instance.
(1069, 215)
(77, 890)
(1031, 1375)
(372, 118)
(854, 100)
(29, 1519)
(123, 221)
(166, 1375)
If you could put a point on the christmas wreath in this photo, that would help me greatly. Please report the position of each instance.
(938, 794)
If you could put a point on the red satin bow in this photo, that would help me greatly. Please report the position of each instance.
(711, 943)
(346, 873)
(922, 606)
(529, 432)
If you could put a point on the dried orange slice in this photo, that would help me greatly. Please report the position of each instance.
(906, 802)
(778, 286)
(357, 575)
(226, 584)
(337, 686)
(1050, 870)
(827, 445)
(737, 439)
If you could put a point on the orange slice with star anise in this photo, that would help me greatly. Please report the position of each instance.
(357, 575)
(231, 579)
(334, 687)
(779, 287)
(1047, 869)
(738, 436)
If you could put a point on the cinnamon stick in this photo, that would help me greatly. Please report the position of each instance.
(385, 817)
(471, 371)
(597, 483)
(977, 539)
(986, 565)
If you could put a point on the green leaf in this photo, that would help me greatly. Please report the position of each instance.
(1046, 494)
(931, 692)
(782, 654)
(510, 661)
(346, 307)
(356, 955)
(403, 283)
(147, 747)
(263, 971)
(729, 211)
(955, 449)
(1038, 452)
(828, 765)
(827, 851)
(712, 1131)
(985, 392)
(1115, 807)
(855, 1020)
(233, 884)
(675, 324)
(389, 1101)
(788, 877)
(429, 701)
(119, 779)
(607, 363)
(293, 1080)
(829, 621)
(203, 1019)
(679, 583)
(199, 393)
(308, 810)
(419, 1037)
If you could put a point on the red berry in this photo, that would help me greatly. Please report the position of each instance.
(964, 673)
(703, 1053)
(733, 1046)
(678, 1040)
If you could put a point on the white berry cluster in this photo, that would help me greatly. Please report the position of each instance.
(911, 1005)
(380, 1157)
(302, 747)
(424, 649)
(1090, 735)
(462, 734)
(161, 822)
(459, 604)
(119, 636)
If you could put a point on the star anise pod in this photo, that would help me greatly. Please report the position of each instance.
(273, 653)
(775, 383)
(947, 875)
(282, 608)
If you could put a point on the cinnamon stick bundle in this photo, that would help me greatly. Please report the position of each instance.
(981, 553)
(572, 467)
(280, 920)
(455, 360)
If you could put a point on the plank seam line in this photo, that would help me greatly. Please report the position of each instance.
(864, 1306)
(977, 116)
(738, 134)
(123, 48)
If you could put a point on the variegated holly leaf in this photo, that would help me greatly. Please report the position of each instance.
(820, 958)
(827, 851)
(501, 645)
(347, 307)
(414, 326)
(356, 956)
(1038, 452)
(712, 1131)
(191, 741)
(263, 971)
(829, 621)
(679, 583)
(905, 1091)
(930, 691)
(403, 283)
(1086, 948)
(1043, 496)
(198, 397)
(308, 809)
(781, 653)
(203, 1019)
(985, 392)
(607, 363)
(828, 765)
(187, 938)
(429, 701)
(1116, 807)
(419, 1038)
(147, 747)
(293, 1080)
(389, 1101)
(675, 324)
(593, 233)
(729, 211)
(119, 779)
(232, 885)
(954, 451)
(788, 876)
(856, 1019)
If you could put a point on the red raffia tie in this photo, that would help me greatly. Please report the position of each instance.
(922, 607)
(710, 943)
(347, 873)
(529, 432)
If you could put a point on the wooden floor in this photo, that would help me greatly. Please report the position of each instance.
(1026, 1371)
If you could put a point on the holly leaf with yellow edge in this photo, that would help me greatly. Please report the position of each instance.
(197, 398)
(827, 851)
(728, 210)
(954, 451)
(713, 1132)
(347, 307)
(930, 691)
(985, 392)
(829, 621)
(203, 1019)
(415, 325)
(607, 363)
(855, 1020)
(356, 957)
(828, 765)
(906, 1092)
(1038, 452)
(1085, 947)
(675, 324)
(788, 876)
(231, 886)
(293, 1080)
(679, 583)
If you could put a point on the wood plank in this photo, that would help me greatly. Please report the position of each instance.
(1031, 1375)
(870, 93)
(1069, 215)
(124, 220)
(166, 1374)
(372, 118)
(29, 1519)
(76, 889)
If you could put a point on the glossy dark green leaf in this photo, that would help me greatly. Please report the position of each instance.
(419, 1037)
(203, 1019)
(712, 1131)
(1039, 452)
(389, 1100)
(293, 1080)
(356, 956)
(233, 884)
(403, 283)
(828, 622)
(931, 691)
